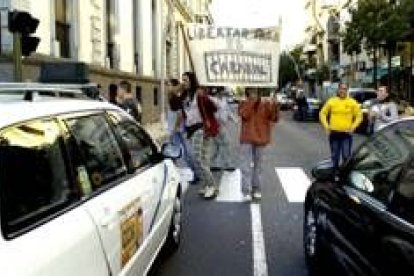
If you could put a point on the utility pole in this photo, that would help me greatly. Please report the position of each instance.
(17, 57)
(21, 24)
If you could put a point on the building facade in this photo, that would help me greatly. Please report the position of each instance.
(136, 40)
(323, 45)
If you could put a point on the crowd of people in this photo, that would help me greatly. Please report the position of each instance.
(198, 119)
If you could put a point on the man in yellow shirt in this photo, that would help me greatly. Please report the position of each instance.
(344, 116)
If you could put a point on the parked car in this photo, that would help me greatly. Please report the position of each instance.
(84, 189)
(314, 105)
(366, 98)
(360, 221)
(285, 103)
(362, 94)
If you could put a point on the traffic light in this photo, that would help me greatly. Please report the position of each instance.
(23, 23)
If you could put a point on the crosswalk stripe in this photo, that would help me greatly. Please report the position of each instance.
(230, 190)
(259, 251)
(295, 183)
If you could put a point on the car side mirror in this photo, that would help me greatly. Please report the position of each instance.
(323, 171)
(170, 150)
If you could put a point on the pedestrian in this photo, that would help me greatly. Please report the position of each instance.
(384, 110)
(176, 119)
(223, 157)
(302, 105)
(128, 102)
(201, 126)
(257, 116)
(344, 117)
(113, 94)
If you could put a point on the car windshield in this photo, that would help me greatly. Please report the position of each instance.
(362, 95)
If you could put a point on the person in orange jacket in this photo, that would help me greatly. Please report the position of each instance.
(257, 118)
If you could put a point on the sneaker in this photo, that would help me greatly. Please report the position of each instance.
(257, 195)
(210, 192)
(247, 198)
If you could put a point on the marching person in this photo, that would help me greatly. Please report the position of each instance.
(384, 111)
(344, 117)
(176, 119)
(201, 126)
(223, 157)
(257, 116)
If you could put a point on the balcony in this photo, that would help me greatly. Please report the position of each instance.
(310, 48)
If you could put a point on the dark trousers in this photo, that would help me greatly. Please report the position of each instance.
(341, 144)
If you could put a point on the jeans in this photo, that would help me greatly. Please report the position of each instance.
(251, 175)
(341, 144)
(178, 139)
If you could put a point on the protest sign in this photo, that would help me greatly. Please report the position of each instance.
(225, 56)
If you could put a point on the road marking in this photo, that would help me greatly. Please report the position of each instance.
(259, 252)
(230, 190)
(295, 183)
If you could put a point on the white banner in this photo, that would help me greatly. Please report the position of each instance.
(224, 56)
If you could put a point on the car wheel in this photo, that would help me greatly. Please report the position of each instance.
(175, 231)
(311, 242)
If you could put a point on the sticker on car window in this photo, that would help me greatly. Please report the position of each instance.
(83, 180)
(131, 230)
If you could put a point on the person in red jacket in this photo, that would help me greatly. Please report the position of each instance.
(257, 118)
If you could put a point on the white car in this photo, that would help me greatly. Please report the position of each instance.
(84, 190)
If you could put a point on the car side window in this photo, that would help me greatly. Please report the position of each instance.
(33, 176)
(378, 164)
(139, 146)
(98, 159)
(402, 203)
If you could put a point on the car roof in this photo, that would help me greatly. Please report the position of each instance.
(38, 85)
(18, 111)
(361, 89)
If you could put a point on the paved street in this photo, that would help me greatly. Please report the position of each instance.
(218, 236)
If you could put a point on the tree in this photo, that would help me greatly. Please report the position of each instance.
(289, 64)
(378, 23)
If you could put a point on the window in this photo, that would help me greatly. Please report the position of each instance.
(138, 93)
(378, 164)
(62, 27)
(33, 177)
(100, 159)
(140, 149)
(402, 203)
(155, 96)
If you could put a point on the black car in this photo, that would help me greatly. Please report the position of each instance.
(360, 220)
(311, 112)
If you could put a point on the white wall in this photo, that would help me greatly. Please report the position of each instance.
(41, 9)
(92, 44)
(145, 23)
(126, 35)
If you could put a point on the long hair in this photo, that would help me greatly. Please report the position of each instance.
(193, 83)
